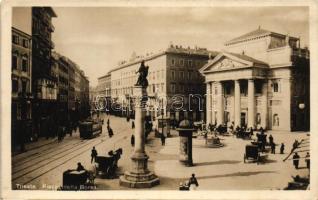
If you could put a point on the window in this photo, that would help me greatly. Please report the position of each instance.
(14, 61)
(172, 62)
(24, 64)
(25, 43)
(275, 120)
(172, 74)
(24, 87)
(190, 63)
(181, 62)
(258, 87)
(173, 87)
(162, 89)
(275, 87)
(188, 75)
(15, 39)
(15, 86)
(182, 74)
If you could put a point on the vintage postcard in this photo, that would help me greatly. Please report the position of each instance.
(158, 100)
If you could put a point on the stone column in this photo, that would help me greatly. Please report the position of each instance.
(264, 118)
(208, 103)
(220, 107)
(251, 104)
(237, 103)
(139, 176)
(212, 106)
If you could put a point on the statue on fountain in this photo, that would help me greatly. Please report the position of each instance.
(143, 73)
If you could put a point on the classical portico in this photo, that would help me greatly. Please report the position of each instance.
(236, 90)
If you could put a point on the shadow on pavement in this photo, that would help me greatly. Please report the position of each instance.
(236, 174)
(220, 162)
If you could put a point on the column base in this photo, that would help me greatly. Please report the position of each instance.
(133, 180)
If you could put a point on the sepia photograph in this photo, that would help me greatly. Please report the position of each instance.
(158, 97)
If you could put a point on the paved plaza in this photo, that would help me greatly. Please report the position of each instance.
(215, 168)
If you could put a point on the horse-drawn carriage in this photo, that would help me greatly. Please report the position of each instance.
(76, 180)
(252, 152)
(107, 165)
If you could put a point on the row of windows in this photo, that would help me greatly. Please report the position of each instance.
(16, 87)
(20, 41)
(152, 76)
(182, 88)
(184, 75)
(183, 62)
(24, 63)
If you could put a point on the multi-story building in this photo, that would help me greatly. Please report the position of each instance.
(173, 79)
(44, 80)
(84, 96)
(261, 80)
(21, 107)
(104, 91)
(71, 85)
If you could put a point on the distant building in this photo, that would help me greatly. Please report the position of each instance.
(21, 75)
(172, 72)
(104, 91)
(261, 80)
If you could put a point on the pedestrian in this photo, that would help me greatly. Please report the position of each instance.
(273, 146)
(307, 160)
(296, 160)
(80, 167)
(108, 122)
(132, 124)
(163, 139)
(193, 182)
(132, 140)
(93, 155)
(282, 148)
(110, 132)
(271, 140)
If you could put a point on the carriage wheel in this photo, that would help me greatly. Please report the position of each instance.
(244, 158)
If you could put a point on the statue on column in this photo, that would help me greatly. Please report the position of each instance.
(143, 73)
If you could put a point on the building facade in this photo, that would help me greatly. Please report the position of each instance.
(43, 77)
(21, 107)
(173, 76)
(261, 80)
(104, 92)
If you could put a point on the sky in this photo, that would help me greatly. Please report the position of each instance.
(98, 38)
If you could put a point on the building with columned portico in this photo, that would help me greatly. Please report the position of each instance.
(261, 79)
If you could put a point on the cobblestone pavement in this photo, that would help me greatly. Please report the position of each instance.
(42, 166)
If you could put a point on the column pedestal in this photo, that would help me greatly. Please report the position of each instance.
(139, 176)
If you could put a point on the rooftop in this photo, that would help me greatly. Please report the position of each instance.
(255, 34)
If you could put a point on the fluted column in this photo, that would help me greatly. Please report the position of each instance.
(251, 103)
(220, 107)
(212, 106)
(208, 103)
(237, 103)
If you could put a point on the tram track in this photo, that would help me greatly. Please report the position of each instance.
(40, 154)
(63, 158)
(76, 155)
(50, 161)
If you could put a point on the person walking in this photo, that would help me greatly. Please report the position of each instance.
(282, 148)
(132, 124)
(163, 139)
(271, 140)
(273, 146)
(108, 122)
(110, 132)
(296, 160)
(193, 182)
(93, 155)
(132, 140)
(307, 160)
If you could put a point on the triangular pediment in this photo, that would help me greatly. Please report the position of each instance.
(229, 61)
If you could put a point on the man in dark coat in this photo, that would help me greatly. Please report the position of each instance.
(307, 159)
(296, 160)
(273, 145)
(132, 140)
(163, 139)
(282, 148)
(132, 124)
(93, 155)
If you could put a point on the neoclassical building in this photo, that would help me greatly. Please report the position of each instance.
(261, 79)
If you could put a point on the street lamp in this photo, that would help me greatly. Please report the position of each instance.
(301, 106)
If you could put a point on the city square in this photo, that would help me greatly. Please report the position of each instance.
(161, 106)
